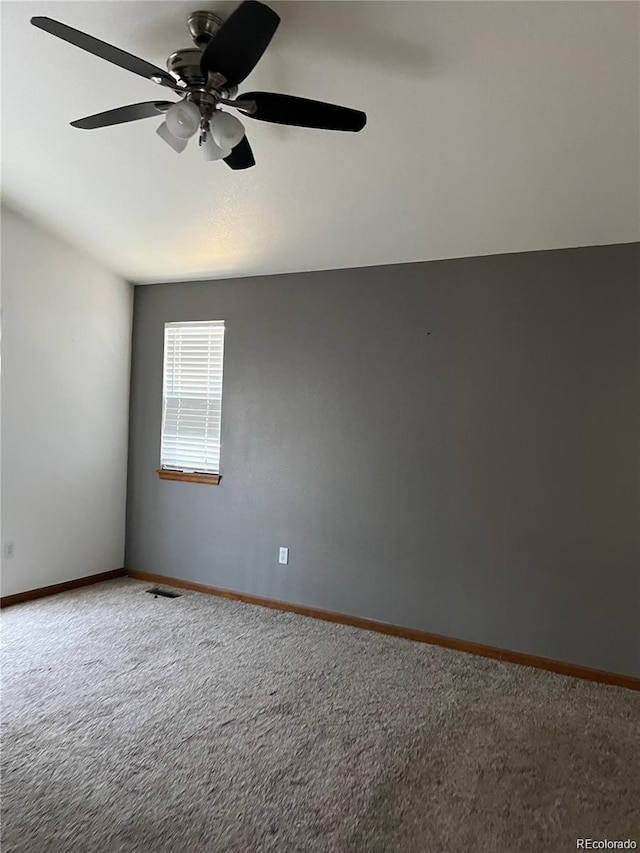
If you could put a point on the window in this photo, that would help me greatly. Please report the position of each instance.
(192, 401)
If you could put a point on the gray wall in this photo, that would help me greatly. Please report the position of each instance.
(451, 446)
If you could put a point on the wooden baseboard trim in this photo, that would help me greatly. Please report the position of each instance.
(30, 594)
(559, 667)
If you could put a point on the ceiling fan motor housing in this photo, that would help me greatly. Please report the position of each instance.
(184, 65)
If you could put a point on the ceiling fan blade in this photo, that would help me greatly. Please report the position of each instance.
(102, 49)
(241, 156)
(302, 112)
(236, 48)
(132, 112)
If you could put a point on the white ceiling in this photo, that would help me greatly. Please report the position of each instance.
(493, 127)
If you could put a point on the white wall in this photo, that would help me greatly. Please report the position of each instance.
(66, 341)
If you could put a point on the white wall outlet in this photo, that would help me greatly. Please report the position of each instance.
(8, 550)
(284, 556)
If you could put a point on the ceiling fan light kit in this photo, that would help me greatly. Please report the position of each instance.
(212, 151)
(164, 133)
(183, 119)
(207, 77)
(226, 129)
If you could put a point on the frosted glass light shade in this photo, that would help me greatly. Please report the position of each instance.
(226, 129)
(177, 144)
(183, 119)
(212, 151)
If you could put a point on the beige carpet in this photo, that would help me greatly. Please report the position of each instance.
(196, 724)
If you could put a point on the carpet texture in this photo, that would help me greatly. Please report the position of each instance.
(134, 723)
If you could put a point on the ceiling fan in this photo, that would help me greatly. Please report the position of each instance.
(207, 77)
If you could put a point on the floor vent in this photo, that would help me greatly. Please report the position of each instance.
(165, 593)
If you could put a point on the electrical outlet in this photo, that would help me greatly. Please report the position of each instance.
(8, 550)
(284, 556)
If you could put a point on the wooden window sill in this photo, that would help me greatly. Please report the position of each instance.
(189, 477)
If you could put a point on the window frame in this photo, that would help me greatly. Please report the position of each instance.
(176, 474)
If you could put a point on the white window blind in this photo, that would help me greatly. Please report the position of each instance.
(192, 396)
